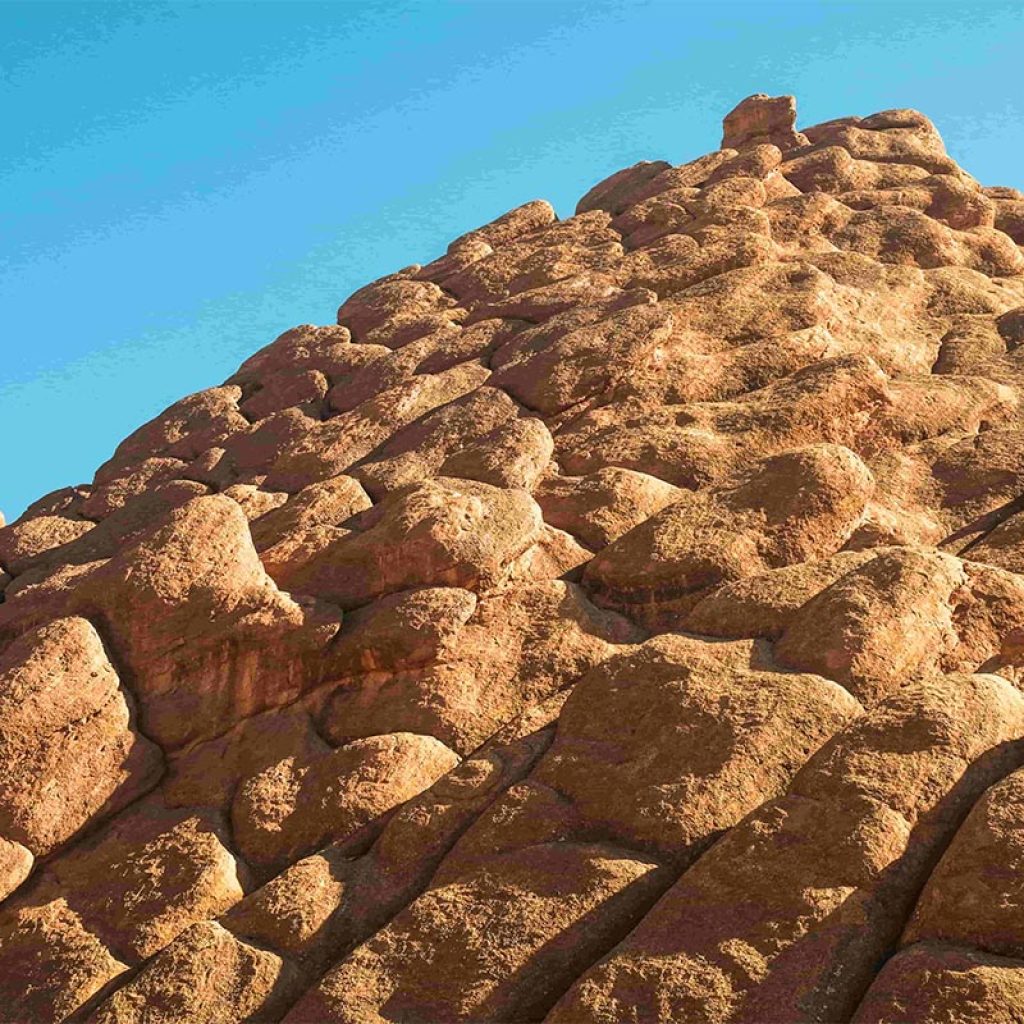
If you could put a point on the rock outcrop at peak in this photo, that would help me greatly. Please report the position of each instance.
(762, 120)
(616, 618)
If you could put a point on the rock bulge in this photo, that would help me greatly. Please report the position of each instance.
(618, 618)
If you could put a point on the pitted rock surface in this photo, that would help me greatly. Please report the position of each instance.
(617, 618)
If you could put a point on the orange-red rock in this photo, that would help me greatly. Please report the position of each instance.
(206, 975)
(619, 617)
(70, 752)
(927, 983)
(292, 807)
(787, 917)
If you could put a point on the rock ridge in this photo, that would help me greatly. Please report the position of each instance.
(617, 618)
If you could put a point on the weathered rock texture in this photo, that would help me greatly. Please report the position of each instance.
(619, 618)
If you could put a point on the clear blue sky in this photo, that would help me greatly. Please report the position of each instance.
(181, 182)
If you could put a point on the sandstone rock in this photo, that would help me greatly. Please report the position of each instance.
(385, 602)
(294, 911)
(582, 244)
(415, 453)
(893, 619)
(519, 648)
(117, 487)
(328, 503)
(52, 964)
(974, 896)
(1010, 218)
(946, 489)
(283, 390)
(24, 542)
(178, 604)
(549, 883)
(207, 773)
(514, 455)
(145, 878)
(614, 193)
(762, 119)
(764, 605)
(658, 570)
(648, 788)
(326, 449)
(249, 454)
(584, 361)
(522, 220)
(70, 754)
(184, 430)
(291, 808)
(207, 976)
(123, 524)
(556, 555)
(329, 901)
(440, 533)
(15, 866)
(40, 595)
(936, 983)
(306, 347)
(601, 507)
(548, 300)
(371, 306)
(412, 627)
(788, 915)
(599, 781)
(1002, 546)
(557, 901)
(1011, 328)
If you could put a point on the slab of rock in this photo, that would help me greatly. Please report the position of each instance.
(761, 119)
(601, 507)
(615, 192)
(518, 648)
(321, 450)
(789, 914)
(51, 963)
(940, 983)
(1002, 546)
(143, 879)
(304, 347)
(292, 807)
(70, 753)
(15, 866)
(208, 976)
(586, 361)
(207, 773)
(764, 605)
(561, 905)
(659, 570)
(899, 617)
(192, 614)
(29, 540)
(974, 896)
(712, 733)
(330, 901)
(445, 532)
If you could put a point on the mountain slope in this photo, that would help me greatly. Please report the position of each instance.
(617, 619)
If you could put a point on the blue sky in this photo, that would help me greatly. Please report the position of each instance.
(179, 183)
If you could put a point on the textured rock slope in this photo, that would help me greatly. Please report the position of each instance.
(617, 619)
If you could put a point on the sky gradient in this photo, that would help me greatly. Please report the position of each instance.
(181, 183)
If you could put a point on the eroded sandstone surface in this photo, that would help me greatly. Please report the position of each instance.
(617, 619)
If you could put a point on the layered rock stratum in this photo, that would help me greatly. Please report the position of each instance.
(619, 618)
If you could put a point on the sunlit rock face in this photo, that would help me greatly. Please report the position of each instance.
(618, 618)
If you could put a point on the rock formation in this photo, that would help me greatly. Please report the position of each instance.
(619, 618)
